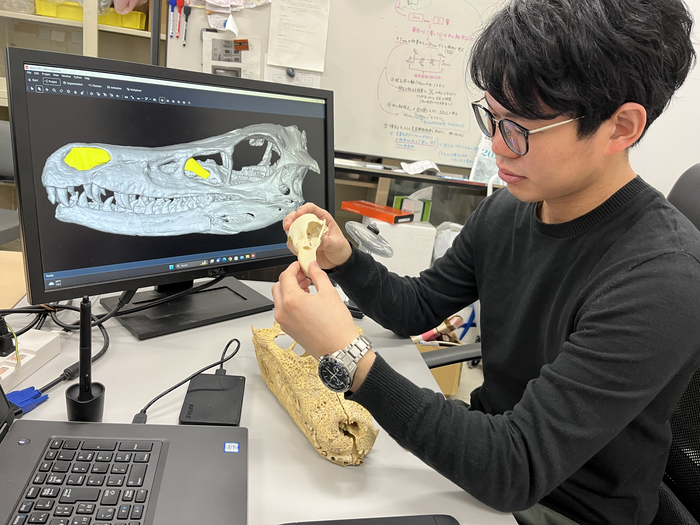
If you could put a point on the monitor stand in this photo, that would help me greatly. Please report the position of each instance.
(228, 299)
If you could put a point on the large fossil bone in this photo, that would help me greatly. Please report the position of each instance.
(183, 188)
(340, 430)
(305, 233)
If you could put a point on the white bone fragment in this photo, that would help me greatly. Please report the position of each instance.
(305, 233)
(340, 430)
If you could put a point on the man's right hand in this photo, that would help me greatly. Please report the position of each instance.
(334, 249)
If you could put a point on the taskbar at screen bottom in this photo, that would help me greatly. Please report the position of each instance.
(88, 276)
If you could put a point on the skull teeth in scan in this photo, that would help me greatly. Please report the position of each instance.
(209, 186)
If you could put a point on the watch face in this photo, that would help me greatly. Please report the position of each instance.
(334, 374)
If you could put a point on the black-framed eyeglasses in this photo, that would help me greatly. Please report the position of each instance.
(515, 136)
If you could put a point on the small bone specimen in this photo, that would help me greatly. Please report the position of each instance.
(305, 233)
(340, 430)
(182, 188)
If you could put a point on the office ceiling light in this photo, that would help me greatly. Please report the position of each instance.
(340, 430)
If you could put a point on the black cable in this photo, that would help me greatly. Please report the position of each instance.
(141, 416)
(168, 298)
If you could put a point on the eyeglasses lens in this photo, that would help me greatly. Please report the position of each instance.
(484, 120)
(515, 139)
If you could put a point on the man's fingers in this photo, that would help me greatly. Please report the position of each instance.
(319, 277)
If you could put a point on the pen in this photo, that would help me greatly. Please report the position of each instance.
(187, 10)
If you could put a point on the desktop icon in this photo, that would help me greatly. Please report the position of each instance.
(171, 267)
(211, 262)
(247, 256)
(252, 256)
(218, 259)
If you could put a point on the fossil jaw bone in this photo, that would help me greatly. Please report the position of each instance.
(340, 430)
(305, 233)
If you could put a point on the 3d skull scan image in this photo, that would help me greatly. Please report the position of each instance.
(183, 188)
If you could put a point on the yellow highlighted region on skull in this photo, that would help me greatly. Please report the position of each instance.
(193, 166)
(83, 159)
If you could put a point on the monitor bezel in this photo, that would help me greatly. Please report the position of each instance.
(26, 183)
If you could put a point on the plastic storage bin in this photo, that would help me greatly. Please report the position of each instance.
(65, 10)
(18, 6)
(133, 20)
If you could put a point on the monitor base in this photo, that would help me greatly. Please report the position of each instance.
(226, 300)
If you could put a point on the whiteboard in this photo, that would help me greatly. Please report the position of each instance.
(397, 70)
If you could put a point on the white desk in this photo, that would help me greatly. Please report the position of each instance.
(288, 480)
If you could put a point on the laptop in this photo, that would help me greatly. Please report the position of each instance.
(423, 519)
(66, 473)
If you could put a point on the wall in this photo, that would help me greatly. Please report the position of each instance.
(671, 144)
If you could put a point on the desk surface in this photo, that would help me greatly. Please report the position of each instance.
(288, 480)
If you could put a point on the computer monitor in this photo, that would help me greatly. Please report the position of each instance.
(131, 176)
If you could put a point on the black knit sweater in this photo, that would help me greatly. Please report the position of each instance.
(591, 331)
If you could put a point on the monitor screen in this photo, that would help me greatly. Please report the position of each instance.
(131, 175)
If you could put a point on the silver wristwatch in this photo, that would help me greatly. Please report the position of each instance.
(337, 370)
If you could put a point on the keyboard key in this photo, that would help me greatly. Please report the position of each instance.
(128, 495)
(50, 492)
(145, 446)
(44, 504)
(81, 520)
(26, 506)
(71, 444)
(100, 468)
(85, 456)
(104, 456)
(60, 521)
(136, 475)
(142, 457)
(39, 479)
(63, 510)
(96, 480)
(38, 517)
(32, 492)
(123, 512)
(61, 466)
(55, 479)
(86, 508)
(19, 520)
(73, 495)
(56, 443)
(115, 481)
(110, 497)
(80, 468)
(136, 512)
(123, 457)
(75, 479)
(45, 466)
(99, 444)
(141, 495)
(66, 455)
(119, 469)
(106, 513)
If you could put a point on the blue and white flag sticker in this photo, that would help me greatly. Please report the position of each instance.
(232, 447)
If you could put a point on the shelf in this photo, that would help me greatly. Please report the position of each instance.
(73, 23)
(392, 172)
(41, 19)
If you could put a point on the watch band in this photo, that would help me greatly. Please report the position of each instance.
(346, 358)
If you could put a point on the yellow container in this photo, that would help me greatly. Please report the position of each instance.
(132, 20)
(65, 10)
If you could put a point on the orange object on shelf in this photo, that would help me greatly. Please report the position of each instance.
(378, 211)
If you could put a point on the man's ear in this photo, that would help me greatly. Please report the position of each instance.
(626, 126)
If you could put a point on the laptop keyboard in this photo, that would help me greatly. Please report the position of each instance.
(90, 482)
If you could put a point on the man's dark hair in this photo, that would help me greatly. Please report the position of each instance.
(584, 57)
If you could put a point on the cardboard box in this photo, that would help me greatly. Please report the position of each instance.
(378, 211)
(419, 207)
(447, 377)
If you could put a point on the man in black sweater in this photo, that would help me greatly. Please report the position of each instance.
(589, 281)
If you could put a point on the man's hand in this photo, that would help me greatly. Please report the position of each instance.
(334, 249)
(320, 323)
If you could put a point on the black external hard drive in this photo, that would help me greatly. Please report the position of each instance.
(213, 399)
